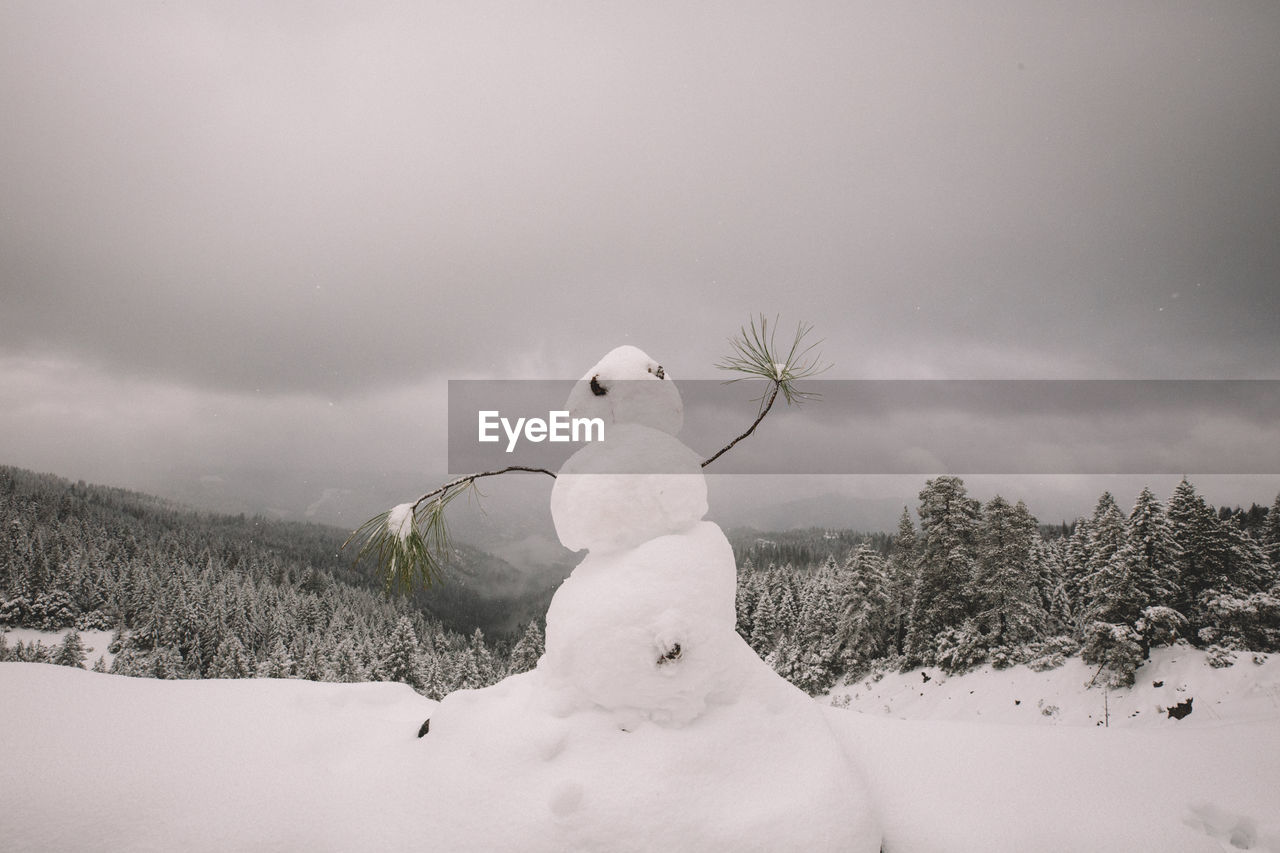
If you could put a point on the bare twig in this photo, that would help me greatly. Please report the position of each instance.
(764, 410)
(471, 478)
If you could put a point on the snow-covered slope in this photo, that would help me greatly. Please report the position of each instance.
(104, 763)
(107, 763)
(960, 787)
(1177, 677)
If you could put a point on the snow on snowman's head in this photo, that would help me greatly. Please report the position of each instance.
(641, 481)
(628, 387)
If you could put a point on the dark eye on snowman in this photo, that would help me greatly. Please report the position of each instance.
(596, 388)
(657, 371)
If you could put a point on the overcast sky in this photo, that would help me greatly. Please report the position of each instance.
(243, 246)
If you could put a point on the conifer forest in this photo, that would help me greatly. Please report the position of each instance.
(959, 584)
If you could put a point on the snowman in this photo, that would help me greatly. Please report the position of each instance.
(648, 724)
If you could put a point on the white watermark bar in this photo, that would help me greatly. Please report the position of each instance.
(922, 427)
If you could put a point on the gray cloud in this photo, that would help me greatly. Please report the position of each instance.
(290, 203)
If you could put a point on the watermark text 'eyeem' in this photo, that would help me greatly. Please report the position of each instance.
(558, 426)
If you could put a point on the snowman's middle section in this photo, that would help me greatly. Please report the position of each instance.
(644, 626)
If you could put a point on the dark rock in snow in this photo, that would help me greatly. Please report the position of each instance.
(426, 727)
(1157, 684)
(1182, 709)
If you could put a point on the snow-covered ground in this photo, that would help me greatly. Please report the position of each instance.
(1176, 676)
(105, 763)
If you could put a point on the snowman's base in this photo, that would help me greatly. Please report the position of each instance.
(520, 766)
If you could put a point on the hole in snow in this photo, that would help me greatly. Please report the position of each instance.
(596, 388)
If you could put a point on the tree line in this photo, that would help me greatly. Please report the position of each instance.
(189, 595)
(979, 583)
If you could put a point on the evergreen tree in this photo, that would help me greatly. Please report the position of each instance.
(1008, 610)
(1216, 557)
(1108, 532)
(277, 663)
(746, 599)
(1115, 649)
(71, 651)
(788, 612)
(818, 634)
(1115, 596)
(901, 577)
(864, 605)
(1271, 539)
(1048, 569)
(1192, 526)
(345, 665)
(1155, 554)
(399, 660)
(941, 598)
(528, 649)
(485, 666)
(764, 631)
(1075, 573)
(230, 660)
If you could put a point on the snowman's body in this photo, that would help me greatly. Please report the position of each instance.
(648, 724)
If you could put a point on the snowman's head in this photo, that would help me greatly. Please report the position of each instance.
(628, 387)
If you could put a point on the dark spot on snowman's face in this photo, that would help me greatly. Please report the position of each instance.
(596, 388)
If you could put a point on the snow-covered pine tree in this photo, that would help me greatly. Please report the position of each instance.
(1155, 551)
(1191, 525)
(818, 633)
(486, 666)
(527, 650)
(1009, 615)
(1216, 558)
(277, 663)
(71, 651)
(1115, 649)
(345, 666)
(788, 610)
(1271, 539)
(1114, 595)
(948, 525)
(747, 598)
(764, 622)
(1108, 532)
(1075, 571)
(901, 577)
(399, 661)
(864, 606)
(230, 660)
(1048, 566)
